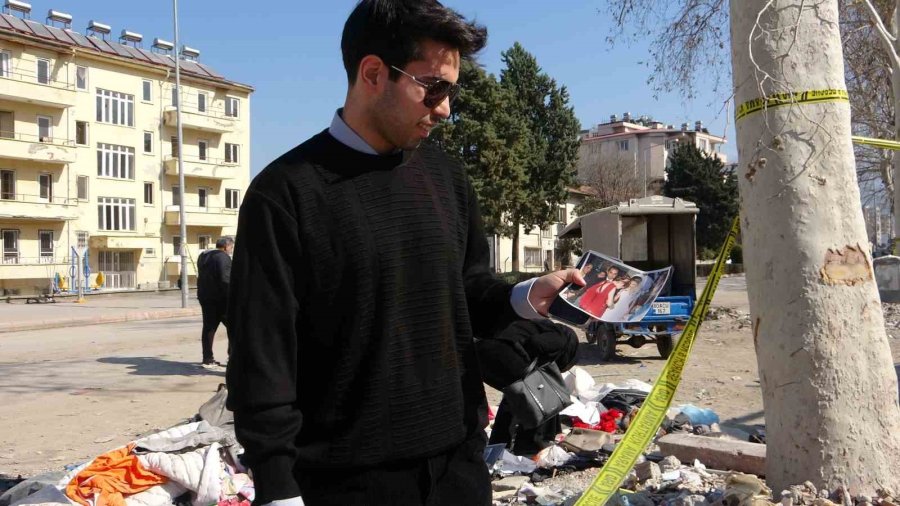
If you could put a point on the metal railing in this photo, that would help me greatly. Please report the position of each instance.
(196, 159)
(15, 136)
(32, 77)
(188, 107)
(202, 210)
(15, 259)
(25, 198)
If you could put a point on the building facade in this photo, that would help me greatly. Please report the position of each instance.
(538, 249)
(642, 143)
(89, 158)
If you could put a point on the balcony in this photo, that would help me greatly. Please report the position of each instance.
(196, 216)
(24, 87)
(109, 240)
(37, 149)
(21, 207)
(208, 121)
(208, 168)
(14, 266)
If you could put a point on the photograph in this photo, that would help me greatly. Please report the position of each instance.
(614, 291)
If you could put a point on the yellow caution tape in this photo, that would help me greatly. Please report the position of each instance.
(645, 424)
(797, 97)
(878, 143)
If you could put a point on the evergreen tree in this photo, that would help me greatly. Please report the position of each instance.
(698, 177)
(490, 142)
(550, 152)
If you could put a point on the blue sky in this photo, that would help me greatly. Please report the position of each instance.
(289, 51)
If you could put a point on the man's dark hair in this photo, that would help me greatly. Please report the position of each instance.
(393, 29)
(224, 242)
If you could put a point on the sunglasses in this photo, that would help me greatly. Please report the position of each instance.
(435, 91)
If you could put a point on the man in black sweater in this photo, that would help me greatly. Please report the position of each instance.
(213, 278)
(361, 274)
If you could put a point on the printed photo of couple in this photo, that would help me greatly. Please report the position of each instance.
(615, 292)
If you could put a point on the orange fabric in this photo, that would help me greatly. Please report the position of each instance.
(110, 477)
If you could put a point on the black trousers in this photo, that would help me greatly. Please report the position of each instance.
(213, 315)
(455, 478)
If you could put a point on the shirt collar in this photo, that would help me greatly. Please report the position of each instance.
(345, 135)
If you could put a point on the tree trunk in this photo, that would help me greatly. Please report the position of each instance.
(828, 382)
(515, 247)
(895, 87)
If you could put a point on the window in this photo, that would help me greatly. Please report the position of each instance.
(45, 181)
(201, 102)
(10, 246)
(231, 153)
(81, 75)
(43, 71)
(115, 161)
(232, 106)
(232, 199)
(547, 233)
(703, 144)
(147, 91)
(203, 197)
(623, 145)
(148, 142)
(148, 193)
(671, 145)
(45, 129)
(174, 142)
(561, 215)
(81, 133)
(115, 108)
(202, 148)
(7, 125)
(532, 257)
(174, 96)
(204, 241)
(176, 245)
(150, 252)
(81, 240)
(83, 187)
(4, 63)
(45, 238)
(115, 213)
(7, 185)
(176, 196)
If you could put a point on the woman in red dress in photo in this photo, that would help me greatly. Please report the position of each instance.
(600, 297)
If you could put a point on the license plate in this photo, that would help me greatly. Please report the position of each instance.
(662, 307)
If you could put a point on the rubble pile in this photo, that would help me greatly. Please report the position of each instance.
(891, 315)
(735, 317)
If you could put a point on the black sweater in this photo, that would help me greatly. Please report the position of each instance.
(356, 286)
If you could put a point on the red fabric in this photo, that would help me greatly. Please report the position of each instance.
(609, 422)
(594, 300)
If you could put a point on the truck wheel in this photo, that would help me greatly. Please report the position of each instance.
(606, 341)
(590, 333)
(665, 343)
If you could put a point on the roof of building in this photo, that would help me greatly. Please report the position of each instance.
(10, 24)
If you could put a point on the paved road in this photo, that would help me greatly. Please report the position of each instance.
(69, 394)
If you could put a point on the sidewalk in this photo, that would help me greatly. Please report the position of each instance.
(104, 308)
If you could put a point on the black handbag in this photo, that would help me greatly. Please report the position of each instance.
(537, 397)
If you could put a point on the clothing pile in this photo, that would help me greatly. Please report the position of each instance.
(196, 464)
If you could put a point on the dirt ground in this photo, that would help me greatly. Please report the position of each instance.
(68, 395)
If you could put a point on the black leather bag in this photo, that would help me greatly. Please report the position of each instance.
(537, 397)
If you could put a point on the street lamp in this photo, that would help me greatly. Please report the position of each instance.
(181, 218)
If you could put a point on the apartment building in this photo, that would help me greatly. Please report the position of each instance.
(643, 143)
(89, 158)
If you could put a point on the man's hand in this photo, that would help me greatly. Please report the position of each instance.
(547, 287)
